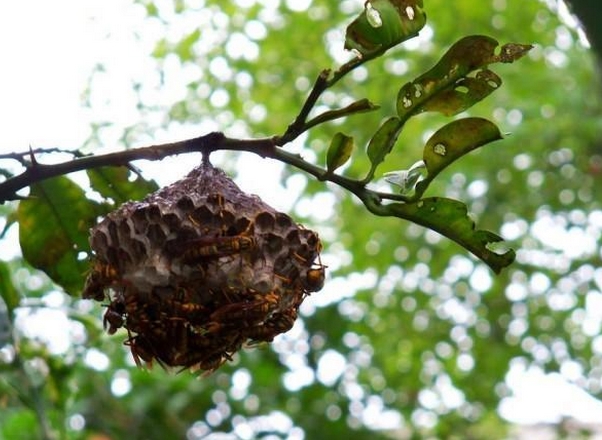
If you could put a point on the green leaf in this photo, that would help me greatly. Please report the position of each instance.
(384, 24)
(184, 48)
(361, 106)
(113, 183)
(455, 140)
(446, 88)
(53, 230)
(382, 142)
(339, 151)
(465, 93)
(10, 295)
(450, 218)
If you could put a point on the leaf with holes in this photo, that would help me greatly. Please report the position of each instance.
(53, 230)
(447, 88)
(453, 141)
(465, 93)
(384, 24)
(450, 218)
(339, 151)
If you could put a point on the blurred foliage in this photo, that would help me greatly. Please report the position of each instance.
(411, 337)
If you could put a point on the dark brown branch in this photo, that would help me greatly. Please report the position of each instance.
(298, 126)
(24, 156)
(204, 144)
(265, 147)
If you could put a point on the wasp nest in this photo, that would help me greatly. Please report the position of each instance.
(199, 268)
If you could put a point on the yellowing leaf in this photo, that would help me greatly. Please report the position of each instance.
(465, 93)
(447, 87)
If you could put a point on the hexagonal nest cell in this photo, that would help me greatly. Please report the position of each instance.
(199, 268)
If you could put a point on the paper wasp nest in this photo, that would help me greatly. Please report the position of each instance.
(199, 268)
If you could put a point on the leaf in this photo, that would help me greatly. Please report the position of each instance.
(382, 142)
(10, 218)
(407, 179)
(384, 24)
(339, 151)
(450, 218)
(9, 293)
(456, 139)
(465, 93)
(440, 89)
(361, 106)
(113, 183)
(53, 230)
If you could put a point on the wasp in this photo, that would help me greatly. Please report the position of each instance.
(213, 363)
(142, 350)
(101, 275)
(314, 278)
(250, 313)
(114, 316)
(215, 247)
(187, 310)
(278, 323)
(314, 281)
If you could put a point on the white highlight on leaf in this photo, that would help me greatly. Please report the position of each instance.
(440, 149)
(373, 16)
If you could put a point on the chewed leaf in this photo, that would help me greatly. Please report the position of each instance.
(447, 88)
(465, 93)
(384, 24)
(455, 140)
(339, 151)
(382, 142)
(450, 218)
(53, 230)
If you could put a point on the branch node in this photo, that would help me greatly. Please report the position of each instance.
(32, 157)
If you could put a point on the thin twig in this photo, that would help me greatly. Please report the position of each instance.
(298, 126)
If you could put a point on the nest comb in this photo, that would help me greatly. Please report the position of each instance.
(198, 268)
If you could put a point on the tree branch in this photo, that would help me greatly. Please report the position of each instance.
(264, 147)
(37, 172)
